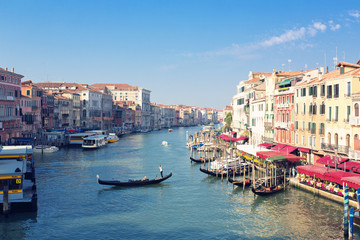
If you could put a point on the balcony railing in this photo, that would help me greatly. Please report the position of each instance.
(269, 124)
(282, 106)
(355, 121)
(355, 154)
(284, 125)
(7, 118)
(333, 147)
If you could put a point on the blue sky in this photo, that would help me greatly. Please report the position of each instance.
(185, 52)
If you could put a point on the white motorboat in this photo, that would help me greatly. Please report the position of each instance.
(45, 149)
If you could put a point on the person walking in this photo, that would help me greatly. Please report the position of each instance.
(161, 171)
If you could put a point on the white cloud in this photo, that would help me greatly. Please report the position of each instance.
(288, 36)
(319, 26)
(354, 13)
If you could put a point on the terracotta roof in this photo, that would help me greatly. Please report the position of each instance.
(288, 73)
(345, 64)
(261, 87)
(253, 80)
(117, 86)
(336, 73)
(312, 81)
(266, 74)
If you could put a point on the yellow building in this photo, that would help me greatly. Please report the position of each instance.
(341, 86)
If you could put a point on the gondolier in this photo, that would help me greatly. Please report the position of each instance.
(161, 172)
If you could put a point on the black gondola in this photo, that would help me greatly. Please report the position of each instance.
(240, 182)
(262, 191)
(218, 173)
(202, 160)
(133, 183)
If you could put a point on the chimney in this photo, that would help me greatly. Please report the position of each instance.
(6, 69)
(13, 70)
(321, 69)
(327, 69)
(274, 70)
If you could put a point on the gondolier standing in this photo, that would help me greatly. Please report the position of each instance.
(160, 169)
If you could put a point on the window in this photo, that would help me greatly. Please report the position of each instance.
(322, 128)
(322, 108)
(297, 139)
(297, 108)
(28, 92)
(272, 107)
(356, 109)
(322, 92)
(336, 91)
(287, 100)
(292, 98)
(297, 92)
(314, 140)
(296, 125)
(283, 117)
(303, 128)
(314, 109)
(287, 117)
(348, 113)
(309, 141)
(310, 108)
(315, 91)
(329, 113)
(336, 113)
(240, 101)
(348, 89)
(304, 109)
(329, 91)
(313, 128)
(303, 140)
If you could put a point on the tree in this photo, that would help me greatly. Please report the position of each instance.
(228, 120)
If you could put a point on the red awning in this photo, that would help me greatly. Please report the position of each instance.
(293, 158)
(305, 150)
(278, 147)
(353, 182)
(288, 149)
(266, 154)
(313, 170)
(328, 160)
(336, 176)
(242, 138)
(233, 132)
(349, 165)
(265, 145)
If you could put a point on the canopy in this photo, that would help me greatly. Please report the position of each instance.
(278, 147)
(305, 150)
(276, 159)
(288, 149)
(336, 176)
(233, 132)
(285, 82)
(328, 160)
(277, 155)
(353, 181)
(265, 145)
(313, 170)
(350, 165)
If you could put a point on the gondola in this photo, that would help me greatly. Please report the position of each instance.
(202, 160)
(262, 191)
(133, 183)
(240, 182)
(218, 173)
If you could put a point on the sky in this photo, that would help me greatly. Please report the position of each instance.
(184, 52)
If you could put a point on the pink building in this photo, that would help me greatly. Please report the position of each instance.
(10, 93)
(28, 89)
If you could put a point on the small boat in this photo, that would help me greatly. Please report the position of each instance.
(218, 173)
(112, 138)
(262, 190)
(202, 160)
(170, 130)
(132, 182)
(164, 143)
(95, 141)
(240, 182)
(45, 149)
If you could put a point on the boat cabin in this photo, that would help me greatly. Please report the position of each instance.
(77, 138)
(95, 141)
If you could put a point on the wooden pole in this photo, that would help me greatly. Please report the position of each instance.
(284, 179)
(275, 176)
(6, 198)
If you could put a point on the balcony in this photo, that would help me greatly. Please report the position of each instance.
(8, 118)
(10, 98)
(283, 125)
(285, 90)
(355, 154)
(355, 121)
(283, 106)
(333, 147)
(269, 124)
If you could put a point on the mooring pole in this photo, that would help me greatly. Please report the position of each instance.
(346, 210)
(6, 199)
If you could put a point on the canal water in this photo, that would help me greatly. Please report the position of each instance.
(189, 205)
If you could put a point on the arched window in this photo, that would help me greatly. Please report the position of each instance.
(322, 108)
(356, 109)
(336, 140)
(356, 142)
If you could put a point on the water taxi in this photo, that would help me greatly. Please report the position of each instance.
(95, 141)
(112, 138)
(45, 149)
(17, 179)
(77, 138)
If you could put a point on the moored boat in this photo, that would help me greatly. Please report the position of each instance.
(240, 182)
(112, 138)
(45, 149)
(202, 160)
(262, 190)
(132, 182)
(170, 130)
(95, 141)
(218, 172)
